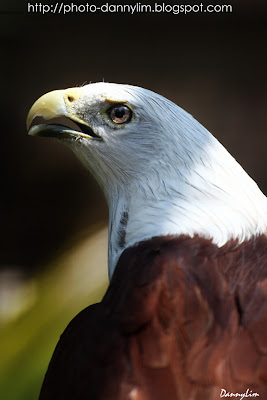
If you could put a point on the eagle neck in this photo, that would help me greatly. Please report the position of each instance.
(217, 201)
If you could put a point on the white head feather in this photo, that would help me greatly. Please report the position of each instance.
(163, 173)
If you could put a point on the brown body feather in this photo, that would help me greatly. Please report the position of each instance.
(181, 320)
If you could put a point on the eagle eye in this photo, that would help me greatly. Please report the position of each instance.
(120, 114)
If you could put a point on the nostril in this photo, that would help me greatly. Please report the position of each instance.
(72, 95)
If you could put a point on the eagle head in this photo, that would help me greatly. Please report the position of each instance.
(161, 171)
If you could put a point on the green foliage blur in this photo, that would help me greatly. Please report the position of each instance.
(72, 282)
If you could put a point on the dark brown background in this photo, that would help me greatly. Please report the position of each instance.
(214, 66)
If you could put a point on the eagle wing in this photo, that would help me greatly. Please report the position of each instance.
(181, 320)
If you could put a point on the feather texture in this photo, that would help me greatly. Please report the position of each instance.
(182, 320)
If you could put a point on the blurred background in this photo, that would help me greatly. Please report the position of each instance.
(53, 215)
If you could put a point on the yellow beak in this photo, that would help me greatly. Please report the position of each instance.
(50, 105)
(56, 104)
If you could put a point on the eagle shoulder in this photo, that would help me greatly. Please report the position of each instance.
(182, 319)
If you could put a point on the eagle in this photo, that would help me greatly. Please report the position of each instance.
(185, 314)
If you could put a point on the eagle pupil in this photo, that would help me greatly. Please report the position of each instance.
(119, 112)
